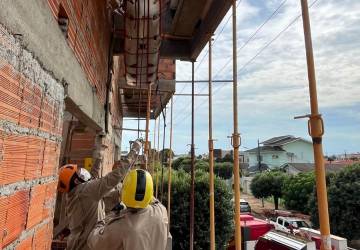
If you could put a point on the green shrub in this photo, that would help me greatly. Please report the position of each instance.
(180, 208)
(297, 191)
(344, 203)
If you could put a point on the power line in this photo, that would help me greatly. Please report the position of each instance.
(254, 57)
(273, 14)
(216, 38)
(253, 35)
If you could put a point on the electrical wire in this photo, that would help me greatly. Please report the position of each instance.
(252, 59)
(216, 38)
(252, 36)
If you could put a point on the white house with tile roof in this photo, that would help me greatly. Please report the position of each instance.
(280, 150)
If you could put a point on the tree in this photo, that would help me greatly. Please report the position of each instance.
(179, 218)
(297, 190)
(166, 154)
(224, 169)
(344, 203)
(268, 184)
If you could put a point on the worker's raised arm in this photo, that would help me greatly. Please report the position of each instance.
(98, 188)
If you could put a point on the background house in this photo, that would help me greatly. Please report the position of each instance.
(296, 168)
(280, 150)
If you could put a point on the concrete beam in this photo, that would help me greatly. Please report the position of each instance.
(216, 13)
(40, 34)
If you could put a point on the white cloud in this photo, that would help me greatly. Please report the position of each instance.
(274, 87)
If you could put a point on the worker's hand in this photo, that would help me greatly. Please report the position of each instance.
(136, 145)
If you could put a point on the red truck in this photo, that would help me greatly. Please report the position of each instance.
(251, 229)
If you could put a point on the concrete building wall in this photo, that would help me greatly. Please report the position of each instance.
(271, 158)
(302, 152)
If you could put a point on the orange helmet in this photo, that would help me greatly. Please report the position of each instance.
(66, 172)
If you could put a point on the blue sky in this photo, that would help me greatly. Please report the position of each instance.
(274, 87)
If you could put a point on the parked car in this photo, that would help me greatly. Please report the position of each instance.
(244, 206)
(289, 224)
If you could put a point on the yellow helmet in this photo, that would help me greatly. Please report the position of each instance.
(137, 190)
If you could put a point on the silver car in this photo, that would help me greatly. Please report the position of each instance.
(244, 206)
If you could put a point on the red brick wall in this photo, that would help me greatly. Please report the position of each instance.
(82, 146)
(166, 69)
(31, 113)
(88, 37)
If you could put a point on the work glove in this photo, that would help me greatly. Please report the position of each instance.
(136, 145)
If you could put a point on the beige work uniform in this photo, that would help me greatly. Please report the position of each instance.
(85, 207)
(145, 229)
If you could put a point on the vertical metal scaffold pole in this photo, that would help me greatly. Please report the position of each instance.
(170, 162)
(316, 131)
(236, 138)
(147, 127)
(153, 151)
(157, 159)
(211, 157)
(192, 192)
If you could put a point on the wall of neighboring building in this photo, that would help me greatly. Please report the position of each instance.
(271, 158)
(302, 152)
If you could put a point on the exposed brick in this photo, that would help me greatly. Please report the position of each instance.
(88, 37)
(26, 158)
(42, 237)
(37, 200)
(12, 162)
(3, 211)
(50, 197)
(23, 102)
(25, 244)
(50, 160)
(16, 209)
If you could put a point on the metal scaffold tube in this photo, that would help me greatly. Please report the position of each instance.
(162, 158)
(316, 131)
(147, 127)
(153, 151)
(157, 159)
(211, 157)
(236, 138)
(192, 191)
(170, 162)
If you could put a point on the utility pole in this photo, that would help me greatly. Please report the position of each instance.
(192, 191)
(236, 137)
(316, 131)
(211, 157)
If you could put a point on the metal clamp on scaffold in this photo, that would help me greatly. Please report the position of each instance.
(316, 134)
(232, 140)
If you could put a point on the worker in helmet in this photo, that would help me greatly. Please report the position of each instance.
(143, 225)
(84, 197)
